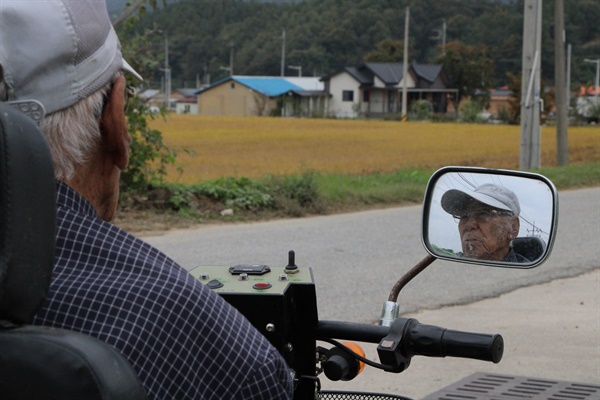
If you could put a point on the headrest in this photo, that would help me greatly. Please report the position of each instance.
(530, 247)
(27, 216)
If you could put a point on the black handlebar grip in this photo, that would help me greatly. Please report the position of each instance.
(474, 345)
(433, 341)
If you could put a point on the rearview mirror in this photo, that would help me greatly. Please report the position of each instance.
(490, 217)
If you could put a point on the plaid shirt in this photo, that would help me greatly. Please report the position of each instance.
(183, 340)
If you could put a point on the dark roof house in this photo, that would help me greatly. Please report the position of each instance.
(379, 86)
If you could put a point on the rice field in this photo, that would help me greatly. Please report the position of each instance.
(210, 147)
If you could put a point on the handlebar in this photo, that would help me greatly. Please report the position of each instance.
(407, 338)
(351, 331)
(433, 341)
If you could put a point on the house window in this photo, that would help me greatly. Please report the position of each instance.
(233, 85)
(366, 95)
(348, 95)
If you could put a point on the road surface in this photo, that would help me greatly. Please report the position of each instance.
(356, 258)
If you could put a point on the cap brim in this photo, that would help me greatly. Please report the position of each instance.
(455, 201)
(128, 68)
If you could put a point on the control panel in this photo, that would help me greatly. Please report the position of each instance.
(279, 301)
(255, 279)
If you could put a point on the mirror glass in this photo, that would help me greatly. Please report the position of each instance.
(490, 217)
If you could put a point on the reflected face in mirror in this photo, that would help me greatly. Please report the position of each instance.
(486, 233)
(488, 216)
(488, 220)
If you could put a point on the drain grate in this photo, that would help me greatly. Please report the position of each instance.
(482, 386)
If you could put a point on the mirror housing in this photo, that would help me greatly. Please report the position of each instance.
(491, 217)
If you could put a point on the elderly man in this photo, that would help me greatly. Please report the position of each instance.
(184, 341)
(488, 220)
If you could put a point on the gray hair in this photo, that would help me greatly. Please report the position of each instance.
(72, 133)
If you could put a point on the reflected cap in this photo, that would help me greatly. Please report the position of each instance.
(456, 201)
(58, 51)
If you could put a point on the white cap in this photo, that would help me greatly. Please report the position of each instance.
(455, 201)
(58, 51)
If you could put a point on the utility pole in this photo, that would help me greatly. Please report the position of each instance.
(562, 142)
(568, 77)
(231, 58)
(405, 67)
(167, 75)
(444, 35)
(168, 70)
(530, 85)
(282, 37)
(206, 75)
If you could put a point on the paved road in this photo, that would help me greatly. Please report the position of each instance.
(357, 257)
(550, 325)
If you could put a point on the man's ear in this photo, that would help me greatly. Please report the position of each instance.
(113, 125)
(515, 226)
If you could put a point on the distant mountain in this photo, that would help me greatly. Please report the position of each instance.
(324, 36)
(115, 7)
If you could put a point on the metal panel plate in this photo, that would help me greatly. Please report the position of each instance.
(483, 386)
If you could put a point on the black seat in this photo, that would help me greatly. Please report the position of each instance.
(40, 362)
(530, 247)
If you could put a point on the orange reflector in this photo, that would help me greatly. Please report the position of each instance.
(358, 350)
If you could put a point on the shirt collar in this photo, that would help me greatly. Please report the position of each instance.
(68, 198)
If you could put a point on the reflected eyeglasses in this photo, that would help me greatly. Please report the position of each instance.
(481, 215)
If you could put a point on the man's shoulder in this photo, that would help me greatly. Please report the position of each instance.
(80, 230)
(513, 256)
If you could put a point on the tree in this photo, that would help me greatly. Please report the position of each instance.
(514, 103)
(470, 70)
(387, 51)
(149, 156)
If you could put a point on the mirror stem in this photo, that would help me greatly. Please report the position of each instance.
(414, 271)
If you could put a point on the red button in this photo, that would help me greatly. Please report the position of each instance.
(262, 285)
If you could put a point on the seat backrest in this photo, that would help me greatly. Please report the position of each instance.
(27, 214)
(39, 362)
(530, 247)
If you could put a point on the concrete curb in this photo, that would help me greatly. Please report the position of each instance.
(551, 331)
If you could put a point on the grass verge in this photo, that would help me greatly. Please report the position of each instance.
(170, 206)
(573, 176)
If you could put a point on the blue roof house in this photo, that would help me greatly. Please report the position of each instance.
(262, 96)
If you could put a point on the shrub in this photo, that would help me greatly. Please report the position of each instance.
(242, 193)
(420, 110)
(296, 194)
(469, 111)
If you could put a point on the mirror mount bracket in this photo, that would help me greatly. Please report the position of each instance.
(409, 276)
(390, 310)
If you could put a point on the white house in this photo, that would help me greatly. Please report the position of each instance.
(375, 89)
